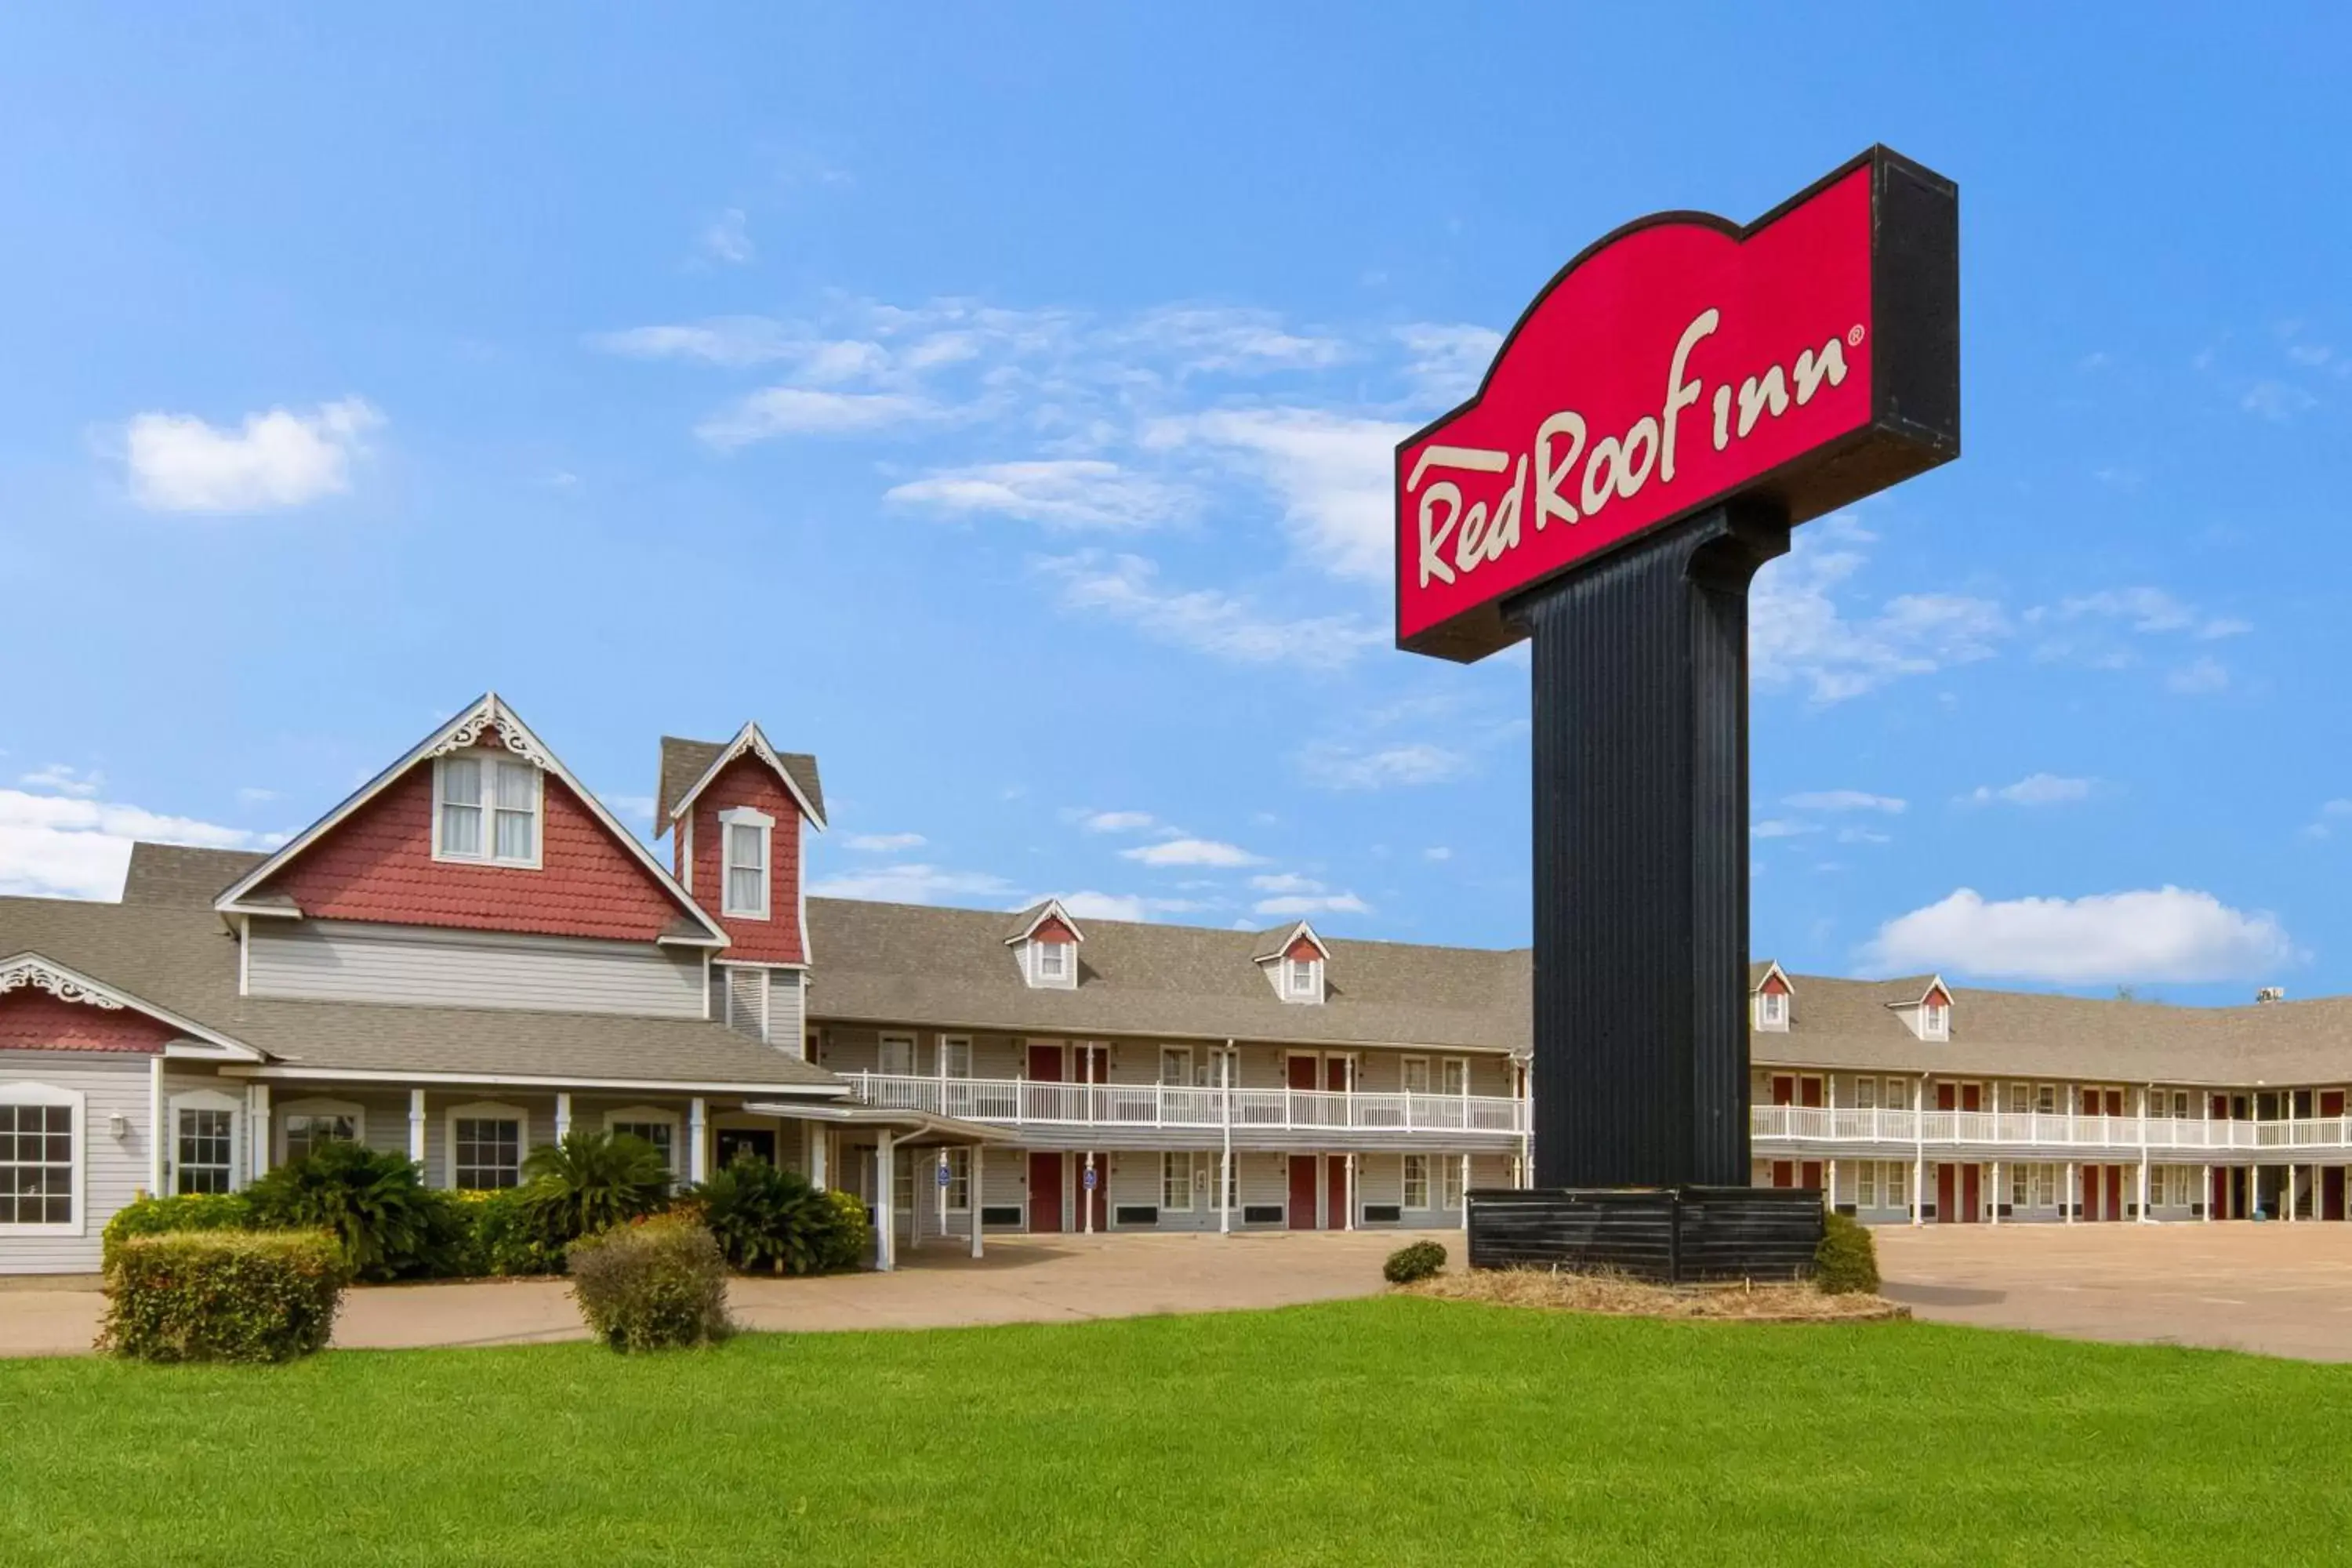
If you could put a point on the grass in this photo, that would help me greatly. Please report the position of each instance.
(1393, 1430)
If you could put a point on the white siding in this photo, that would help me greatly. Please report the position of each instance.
(350, 961)
(112, 1171)
(787, 1012)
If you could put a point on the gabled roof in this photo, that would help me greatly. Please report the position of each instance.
(1276, 940)
(1024, 924)
(689, 766)
(1757, 973)
(486, 718)
(179, 877)
(32, 969)
(1913, 990)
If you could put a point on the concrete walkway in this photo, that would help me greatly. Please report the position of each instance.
(1023, 1280)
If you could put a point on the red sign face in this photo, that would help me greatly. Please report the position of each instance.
(1677, 364)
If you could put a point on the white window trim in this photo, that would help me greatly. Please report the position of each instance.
(1184, 1073)
(1404, 1185)
(1404, 1076)
(316, 1106)
(765, 826)
(1772, 1012)
(205, 1100)
(482, 1111)
(654, 1113)
(945, 1043)
(1454, 1064)
(1935, 1022)
(882, 1055)
(1189, 1162)
(1291, 970)
(489, 856)
(29, 1093)
(1069, 976)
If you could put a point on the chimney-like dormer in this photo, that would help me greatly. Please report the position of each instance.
(1771, 1000)
(1292, 958)
(1045, 942)
(1925, 1006)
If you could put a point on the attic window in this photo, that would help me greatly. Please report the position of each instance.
(1772, 1011)
(1302, 979)
(486, 808)
(1935, 1019)
(747, 834)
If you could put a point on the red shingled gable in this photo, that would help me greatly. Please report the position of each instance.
(1303, 952)
(1053, 930)
(35, 1021)
(748, 781)
(377, 865)
(1775, 987)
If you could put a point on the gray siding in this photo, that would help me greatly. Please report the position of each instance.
(351, 962)
(112, 1171)
(787, 1011)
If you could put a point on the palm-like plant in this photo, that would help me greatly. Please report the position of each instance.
(769, 1219)
(377, 1206)
(589, 1182)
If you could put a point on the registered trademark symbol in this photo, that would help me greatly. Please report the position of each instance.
(1854, 338)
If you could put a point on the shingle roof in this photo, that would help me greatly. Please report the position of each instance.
(908, 963)
(184, 960)
(174, 875)
(685, 761)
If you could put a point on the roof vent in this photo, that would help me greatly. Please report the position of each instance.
(2269, 993)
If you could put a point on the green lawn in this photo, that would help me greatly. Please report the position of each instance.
(1393, 1430)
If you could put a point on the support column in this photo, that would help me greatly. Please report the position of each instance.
(1995, 1192)
(416, 1130)
(944, 1167)
(820, 1154)
(2205, 1193)
(1640, 744)
(1348, 1220)
(886, 1224)
(159, 1136)
(257, 1130)
(1087, 1190)
(2286, 1187)
(1829, 1182)
(975, 1190)
(562, 1117)
(2074, 1190)
(1466, 1193)
(697, 1151)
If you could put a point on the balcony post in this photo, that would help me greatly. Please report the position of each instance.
(974, 1195)
(1225, 1159)
(1995, 1192)
(2074, 1183)
(1087, 1190)
(2205, 1195)
(1920, 1154)
(886, 1236)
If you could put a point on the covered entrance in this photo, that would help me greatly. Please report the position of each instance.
(1960, 1191)
(728, 1142)
(894, 1131)
(1301, 1208)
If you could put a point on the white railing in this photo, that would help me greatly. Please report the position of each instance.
(1806, 1123)
(1181, 1105)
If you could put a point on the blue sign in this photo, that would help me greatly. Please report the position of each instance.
(1090, 1178)
(943, 1172)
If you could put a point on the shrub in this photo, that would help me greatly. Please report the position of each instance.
(158, 1217)
(389, 1224)
(506, 1239)
(591, 1182)
(1847, 1258)
(221, 1295)
(656, 1284)
(1417, 1261)
(765, 1218)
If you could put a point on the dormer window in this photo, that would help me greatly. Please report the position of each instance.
(747, 833)
(486, 809)
(1052, 962)
(1772, 1012)
(1302, 979)
(1045, 939)
(1935, 1019)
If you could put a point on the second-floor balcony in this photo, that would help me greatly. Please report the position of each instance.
(1162, 1115)
(1882, 1130)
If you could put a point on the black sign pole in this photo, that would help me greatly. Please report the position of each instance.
(1641, 856)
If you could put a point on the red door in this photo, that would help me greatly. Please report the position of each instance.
(1972, 1099)
(1810, 1177)
(1784, 1089)
(2114, 1102)
(1302, 1185)
(1094, 1064)
(1336, 1195)
(2115, 1175)
(2331, 1102)
(2331, 1192)
(1971, 1193)
(1045, 1064)
(1335, 1074)
(1045, 1186)
(2217, 1201)
(1302, 1072)
(1946, 1098)
(2093, 1177)
(1809, 1092)
(1784, 1174)
(1948, 1207)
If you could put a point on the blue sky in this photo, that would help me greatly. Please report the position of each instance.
(997, 403)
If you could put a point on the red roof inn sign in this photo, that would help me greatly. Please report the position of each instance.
(1676, 400)
(1810, 357)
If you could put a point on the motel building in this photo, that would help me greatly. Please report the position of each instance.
(471, 955)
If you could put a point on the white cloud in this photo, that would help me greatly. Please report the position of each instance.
(1437, 852)
(803, 411)
(177, 462)
(62, 780)
(1075, 492)
(1286, 882)
(2276, 400)
(2330, 812)
(1125, 587)
(2199, 678)
(2033, 789)
(1192, 852)
(1091, 905)
(61, 847)
(1116, 821)
(734, 340)
(911, 884)
(1309, 904)
(1334, 474)
(1202, 339)
(1444, 361)
(2163, 934)
(1780, 828)
(2148, 610)
(729, 237)
(252, 795)
(1862, 835)
(885, 843)
(1844, 800)
(1334, 766)
(1799, 635)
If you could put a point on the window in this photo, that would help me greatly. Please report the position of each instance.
(1221, 1068)
(1416, 1075)
(2180, 1106)
(470, 789)
(1865, 1184)
(746, 834)
(1898, 1185)
(1935, 1020)
(1300, 978)
(2158, 1102)
(204, 1141)
(1898, 1094)
(1176, 1181)
(39, 1158)
(2020, 1098)
(1052, 960)
(1865, 1095)
(1772, 1010)
(2045, 1100)
(658, 1128)
(1456, 1077)
(1450, 1181)
(1416, 1178)
(485, 1149)
(897, 1054)
(958, 1182)
(955, 1055)
(1176, 1068)
(307, 1130)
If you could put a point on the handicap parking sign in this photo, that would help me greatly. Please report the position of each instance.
(943, 1172)
(1090, 1178)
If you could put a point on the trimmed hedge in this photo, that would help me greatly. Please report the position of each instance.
(652, 1284)
(1417, 1261)
(222, 1295)
(1846, 1261)
(162, 1216)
